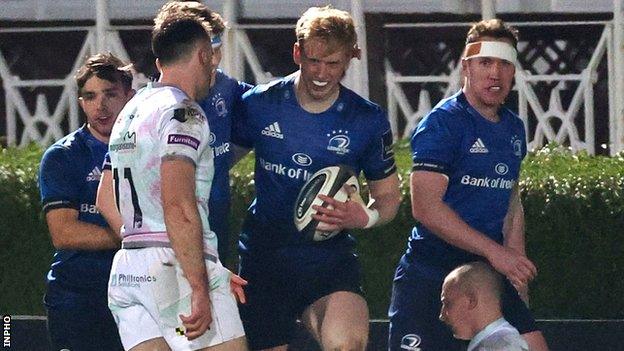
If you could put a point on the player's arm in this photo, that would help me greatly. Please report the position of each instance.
(385, 197)
(70, 233)
(105, 202)
(513, 226)
(59, 193)
(427, 192)
(385, 200)
(185, 233)
(514, 234)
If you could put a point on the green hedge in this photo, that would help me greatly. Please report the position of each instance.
(574, 207)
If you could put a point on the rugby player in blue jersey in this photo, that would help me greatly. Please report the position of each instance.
(76, 302)
(224, 96)
(464, 192)
(298, 125)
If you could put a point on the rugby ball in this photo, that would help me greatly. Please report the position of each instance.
(327, 181)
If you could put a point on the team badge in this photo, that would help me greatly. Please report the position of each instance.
(410, 342)
(339, 141)
(516, 143)
(219, 105)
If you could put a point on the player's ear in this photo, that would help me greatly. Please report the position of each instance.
(473, 299)
(297, 53)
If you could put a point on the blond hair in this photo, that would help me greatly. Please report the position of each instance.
(329, 24)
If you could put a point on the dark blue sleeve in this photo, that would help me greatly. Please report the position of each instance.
(58, 186)
(241, 131)
(106, 165)
(435, 143)
(379, 160)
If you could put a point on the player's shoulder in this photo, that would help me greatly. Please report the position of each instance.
(513, 117)
(360, 105)
(173, 103)
(273, 91)
(71, 146)
(449, 112)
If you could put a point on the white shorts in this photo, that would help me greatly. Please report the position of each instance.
(147, 292)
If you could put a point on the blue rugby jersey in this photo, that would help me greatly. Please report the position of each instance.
(68, 178)
(291, 144)
(482, 161)
(219, 107)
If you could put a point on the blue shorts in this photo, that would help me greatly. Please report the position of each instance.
(415, 307)
(284, 282)
(80, 321)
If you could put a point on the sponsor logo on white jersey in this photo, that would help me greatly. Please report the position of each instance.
(273, 130)
(478, 147)
(130, 280)
(94, 175)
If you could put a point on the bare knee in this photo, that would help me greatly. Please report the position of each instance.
(536, 341)
(345, 342)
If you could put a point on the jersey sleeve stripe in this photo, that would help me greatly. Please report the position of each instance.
(52, 205)
(431, 166)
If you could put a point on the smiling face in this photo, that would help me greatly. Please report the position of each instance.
(323, 65)
(102, 101)
(488, 80)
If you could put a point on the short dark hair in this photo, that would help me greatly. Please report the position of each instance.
(104, 66)
(195, 7)
(176, 36)
(494, 28)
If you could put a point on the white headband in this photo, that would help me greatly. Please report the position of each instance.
(498, 49)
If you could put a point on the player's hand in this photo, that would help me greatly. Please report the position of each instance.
(199, 320)
(236, 286)
(523, 292)
(513, 265)
(341, 215)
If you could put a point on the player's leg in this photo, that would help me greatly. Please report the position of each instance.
(414, 311)
(238, 344)
(338, 321)
(126, 296)
(80, 321)
(536, 341)
(518, 314)
(157, 344)
(267, 316)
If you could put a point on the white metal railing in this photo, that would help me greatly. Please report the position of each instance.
(527, 98)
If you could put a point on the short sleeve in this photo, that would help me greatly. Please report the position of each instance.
(183, 132)
(106, 164)
(379, 160)
(434, 143)
(59, 188)
(241, 125)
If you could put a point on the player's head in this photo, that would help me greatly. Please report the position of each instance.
(181, 42)
(197, 8)
(104, 86)
(471, 293)
(488, 63)
(326, 43)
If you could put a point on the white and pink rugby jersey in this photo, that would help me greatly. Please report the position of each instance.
(159, 121)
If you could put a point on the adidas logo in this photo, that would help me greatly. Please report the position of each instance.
(94, 175)
(273, 130)
(479, 147)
